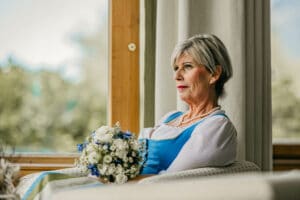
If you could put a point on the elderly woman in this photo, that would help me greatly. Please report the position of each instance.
(200, 137)
(203, 135)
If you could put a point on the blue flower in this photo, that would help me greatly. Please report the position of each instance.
(94, 170)
(80, 147)
(118, 161)
(127, 135)
(123, 135)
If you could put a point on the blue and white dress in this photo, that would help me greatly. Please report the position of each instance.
(211, 141)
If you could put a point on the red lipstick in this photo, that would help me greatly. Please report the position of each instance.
(181, 86)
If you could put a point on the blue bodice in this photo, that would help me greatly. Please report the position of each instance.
(160, 153)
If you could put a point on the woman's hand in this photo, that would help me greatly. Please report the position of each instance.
(140, 177)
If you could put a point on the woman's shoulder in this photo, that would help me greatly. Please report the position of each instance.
(216, 123)
(217, 116)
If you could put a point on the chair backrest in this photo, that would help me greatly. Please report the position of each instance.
(236, 167)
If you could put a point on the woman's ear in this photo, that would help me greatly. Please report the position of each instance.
(216, 75)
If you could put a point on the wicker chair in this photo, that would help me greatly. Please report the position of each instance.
(236, 167)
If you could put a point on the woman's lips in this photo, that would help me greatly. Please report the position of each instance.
(181, 87)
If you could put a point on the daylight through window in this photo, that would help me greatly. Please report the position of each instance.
(53, 73)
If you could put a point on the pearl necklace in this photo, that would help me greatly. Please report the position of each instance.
(182, 122)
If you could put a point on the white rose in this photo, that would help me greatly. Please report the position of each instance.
(102, 130)
(107, 138)
(120, 144)
(121, 178)
(94, 157)
(121, 154)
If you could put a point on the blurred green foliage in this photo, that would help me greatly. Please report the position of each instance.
(40, 111)
(286, 109)
(44, 112)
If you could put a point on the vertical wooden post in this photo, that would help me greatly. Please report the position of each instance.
(124, 64)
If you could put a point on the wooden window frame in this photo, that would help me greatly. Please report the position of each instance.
(286, 156)
(123, 103)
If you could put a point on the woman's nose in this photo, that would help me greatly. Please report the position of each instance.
(178, 75)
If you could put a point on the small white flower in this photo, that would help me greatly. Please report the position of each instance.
(90, 148)
(103, 169)
(111, 169)
(117, 128)
(105, 147)
(120, 144)
(112, 154)
(125, 159)
(119, 169)
(107, 159)
(133, 170)
(135, 145)
(133, 154)
(121, 178)
(93, 157)
(132, 175)
(112, 147)
(130, 159)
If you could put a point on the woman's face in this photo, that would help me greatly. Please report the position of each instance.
(192, 79)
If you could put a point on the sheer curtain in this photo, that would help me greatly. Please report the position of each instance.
(244, 28)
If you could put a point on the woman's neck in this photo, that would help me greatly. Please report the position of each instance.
(195, 113)
(200, 108)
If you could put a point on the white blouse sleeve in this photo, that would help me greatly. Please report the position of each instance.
(212, 143)
(146, 132)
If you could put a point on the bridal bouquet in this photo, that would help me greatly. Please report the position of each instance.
(111, 154)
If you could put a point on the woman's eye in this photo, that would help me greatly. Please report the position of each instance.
(188, 66)
(175, 69)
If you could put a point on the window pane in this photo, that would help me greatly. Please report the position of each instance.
(53, 72)
(285, 32)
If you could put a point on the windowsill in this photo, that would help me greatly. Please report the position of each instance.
(286, 155)
(32, 163)
(286, 141)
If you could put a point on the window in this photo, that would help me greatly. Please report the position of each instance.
(124, 29)
(53, 73)
(285, 44)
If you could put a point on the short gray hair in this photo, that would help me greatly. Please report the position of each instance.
(207, 50)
